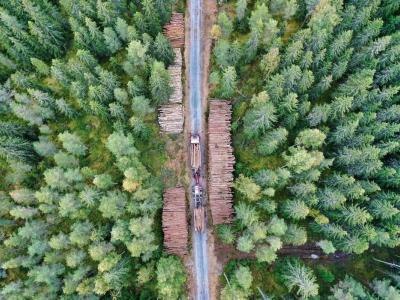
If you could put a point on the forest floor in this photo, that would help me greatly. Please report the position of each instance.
(175, 166)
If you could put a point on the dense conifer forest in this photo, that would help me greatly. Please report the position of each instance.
(315, 87)
(80, 153)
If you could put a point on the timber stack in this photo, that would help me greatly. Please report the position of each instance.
(175, 72)
(174, 221)
(221, 161)
(170, 116)
(175, 30)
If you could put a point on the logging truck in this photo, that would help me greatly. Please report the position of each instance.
(195, 153)
(198, 209)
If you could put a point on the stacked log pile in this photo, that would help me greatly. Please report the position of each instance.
(221, 161)
(170, 117)
(175, 72)
(175, 30)
(174, 221)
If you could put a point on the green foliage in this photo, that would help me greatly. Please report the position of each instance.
(326, 275)
(170, 277)
(326, 246)
(160, 83)
(80, 219)
(225, 24)
(103, 181)
(385, 290)
(295, 235)
(300, 278)
(310, 138)
(348, 288)
(228, 82)
(238, 284)
(226, 234)
(266, 254)
(250, 190)
(72, 143)
(163, 50)
(315, 122)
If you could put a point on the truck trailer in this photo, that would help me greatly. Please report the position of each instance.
(195, 153)
(199, 216)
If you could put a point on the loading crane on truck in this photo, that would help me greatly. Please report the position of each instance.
(195, 159)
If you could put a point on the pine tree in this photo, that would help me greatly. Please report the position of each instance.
(111, 39)
(72, 143)
(348, 288)
(163, 50)
(272, 140)
(250, 190)
(296, 209)
(295, 235)
(310, 138)
(113, 204)
(160, 83)
(260, 117)
(300, 278)
(245, 214)
(228, 82)
(241, 7)
(151, 16)
(277, 226)
(16, 149)
(170, 277)
(245, 243)
(225, 25)
(266, 254)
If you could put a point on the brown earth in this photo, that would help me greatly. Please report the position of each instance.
(309, 252)
(175, 166)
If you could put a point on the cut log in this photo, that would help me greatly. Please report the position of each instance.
(174, 221)
(175, 30)
(170, 118)
(175, 72)
(221, 161)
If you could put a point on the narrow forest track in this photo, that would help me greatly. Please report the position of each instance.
(195, 66)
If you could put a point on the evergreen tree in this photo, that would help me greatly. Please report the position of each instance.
(160, 83)
(300, 278)
(170, 278)
(163, 50)
(228, 83)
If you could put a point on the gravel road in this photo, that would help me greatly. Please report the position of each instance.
(195, 101)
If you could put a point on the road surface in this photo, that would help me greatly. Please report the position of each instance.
(199, 239)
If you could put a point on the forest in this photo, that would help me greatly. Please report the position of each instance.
(315, 87)
(80, 153)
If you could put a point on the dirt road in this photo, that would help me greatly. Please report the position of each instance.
(199, 239)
